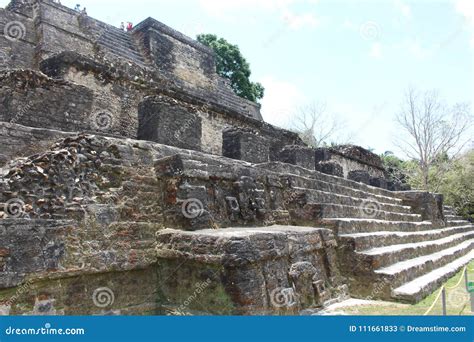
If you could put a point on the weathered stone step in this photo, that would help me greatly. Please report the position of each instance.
(383, 256)
(458, 223)
(118, 35)
(420, 287)
(331, 210)
(407, 270)
(329, 197)
(300, 171)
(365, 241)
(454, 218)
(308, 183)
(125, 42)
(139, 187)
(357, 225)
(127, 54)
(119, 44)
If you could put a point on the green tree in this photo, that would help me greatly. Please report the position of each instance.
(457, 185)
(233, 66)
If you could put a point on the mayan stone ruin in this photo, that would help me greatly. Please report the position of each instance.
(134, 181)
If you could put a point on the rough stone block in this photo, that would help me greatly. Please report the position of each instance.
(330, 168)
(170, 125)
(360, 176)
(428, 205)
(378, 182)
(322, 154)
(298, 155)
(251, 271)
(245, 145)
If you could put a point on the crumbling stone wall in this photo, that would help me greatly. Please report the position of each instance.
(102, 201)
(21, 141)
(175, 54)
(352, 162)
(17, 41)
(292, 269)
(32, 99)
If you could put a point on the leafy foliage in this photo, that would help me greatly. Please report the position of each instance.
(457, 185)
(453, 177)
(233, 66)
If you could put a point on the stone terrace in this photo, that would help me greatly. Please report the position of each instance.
(128, 164)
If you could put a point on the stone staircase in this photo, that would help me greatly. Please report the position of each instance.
(402, 260)
(385, 249)
(118, 43)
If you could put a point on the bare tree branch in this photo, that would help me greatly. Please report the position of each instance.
(316, 125)
(433, 130)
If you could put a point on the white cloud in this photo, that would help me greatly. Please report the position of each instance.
(466, 9)
(349, 25)
(281, 100)
(413, 48)
(417, 50)
(226, 9)
(376, 51)
(403, 8)
(298, 21)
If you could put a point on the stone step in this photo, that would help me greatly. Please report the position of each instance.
(200, 166)
(127, 45)
(138, 187)
(125, 41)
(407, 270)
(308, 183)
(364, 241)
(300, 171)
(119, 35)
(384, 256)
(332, 210)
(420, 287)
(318, 196)
(358, 225)
(121, 51)
(453, 217)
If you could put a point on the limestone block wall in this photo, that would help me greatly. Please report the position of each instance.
(31, 99)
(20, 141)
(190, 63)
(352, 162)
(101, 202)
(214, 121)
(292, 269)
(17, 47)
(175, 54)
(59, 29)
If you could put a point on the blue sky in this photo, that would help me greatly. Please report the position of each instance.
(357, 56)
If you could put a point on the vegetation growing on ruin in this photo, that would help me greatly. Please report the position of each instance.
(232, 65)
